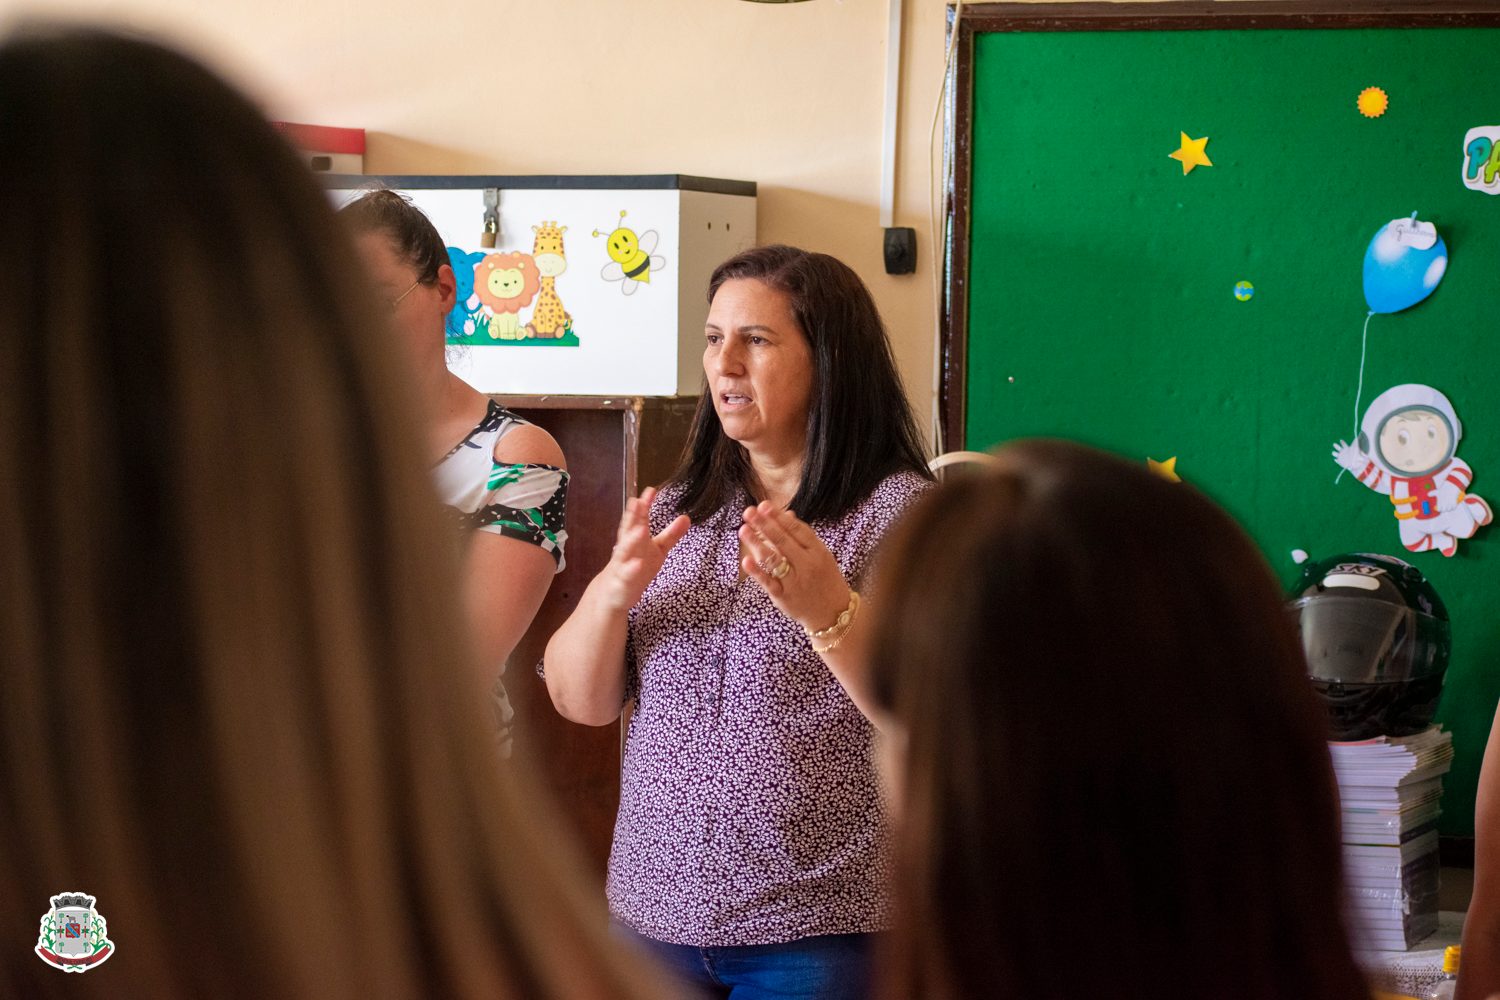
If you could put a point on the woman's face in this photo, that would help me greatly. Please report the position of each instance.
(759, 366)
(418, 314)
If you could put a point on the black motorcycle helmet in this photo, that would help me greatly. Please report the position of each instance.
(1376, 638)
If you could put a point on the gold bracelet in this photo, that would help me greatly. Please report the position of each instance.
(843, 619)
(821, 650)
(842, 627)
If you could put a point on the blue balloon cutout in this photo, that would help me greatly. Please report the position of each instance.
(1397, 274)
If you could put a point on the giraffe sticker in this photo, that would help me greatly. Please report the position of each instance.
(549, 320)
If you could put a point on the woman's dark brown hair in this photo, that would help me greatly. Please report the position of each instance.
(859, 427)
(1115, 777)
(233, 695)
(412, 234)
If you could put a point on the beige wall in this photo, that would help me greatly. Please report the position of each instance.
(789, 95)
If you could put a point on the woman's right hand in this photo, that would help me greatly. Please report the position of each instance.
(638, 555)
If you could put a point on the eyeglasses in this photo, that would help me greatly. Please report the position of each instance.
(397, 300)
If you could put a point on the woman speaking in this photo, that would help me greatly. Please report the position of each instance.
(750, 852)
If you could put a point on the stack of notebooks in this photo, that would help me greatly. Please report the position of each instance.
(1390, 791)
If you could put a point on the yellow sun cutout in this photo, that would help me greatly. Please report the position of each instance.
(1373, 102)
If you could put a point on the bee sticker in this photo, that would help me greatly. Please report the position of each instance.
(630, 258)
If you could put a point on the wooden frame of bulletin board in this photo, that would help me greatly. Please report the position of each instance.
(1093, 288)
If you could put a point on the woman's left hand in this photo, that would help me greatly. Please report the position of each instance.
(811, 589)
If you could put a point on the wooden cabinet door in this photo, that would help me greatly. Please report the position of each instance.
(615, 447)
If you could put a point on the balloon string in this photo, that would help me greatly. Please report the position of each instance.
(1364, 342)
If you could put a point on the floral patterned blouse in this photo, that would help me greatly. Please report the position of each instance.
(749, 809)
(521, 501)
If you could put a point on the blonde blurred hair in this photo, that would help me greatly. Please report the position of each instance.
(233, 700)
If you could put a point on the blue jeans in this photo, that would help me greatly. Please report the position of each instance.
(831, 967)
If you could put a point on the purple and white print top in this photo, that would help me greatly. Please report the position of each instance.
(749, 804)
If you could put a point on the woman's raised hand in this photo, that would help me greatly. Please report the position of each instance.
(789, 560)
(638, 555)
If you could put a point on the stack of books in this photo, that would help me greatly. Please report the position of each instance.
(1390, 794)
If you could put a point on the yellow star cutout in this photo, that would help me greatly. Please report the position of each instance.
(1167, 469)
(1191, 154)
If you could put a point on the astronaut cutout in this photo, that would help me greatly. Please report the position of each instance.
(1405, 450)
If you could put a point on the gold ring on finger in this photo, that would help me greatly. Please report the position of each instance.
(782, 569)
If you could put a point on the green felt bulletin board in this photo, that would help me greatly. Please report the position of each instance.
(1093, 282)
